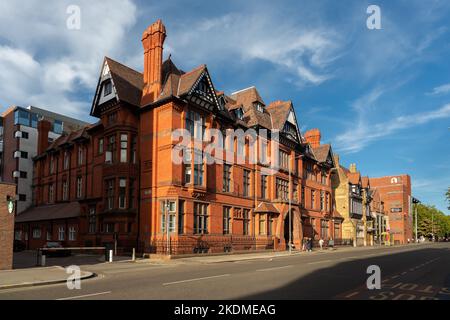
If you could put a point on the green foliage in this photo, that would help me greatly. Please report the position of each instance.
(429, 219)
(447, 195)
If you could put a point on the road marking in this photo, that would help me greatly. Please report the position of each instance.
(274, 268)
(317, 262)
(85, 296)
(196, 279)
(352, 294)
(395, 277)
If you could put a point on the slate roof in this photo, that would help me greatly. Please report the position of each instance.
(50, 212)
(128, 82)
(176, 83)
(321, 152)
(72, 137)
(353, 177)
(252, 116)
(365, 182)
(248, 96)
(279, 111)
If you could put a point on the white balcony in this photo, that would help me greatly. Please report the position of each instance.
(17, 154)
(16, 174)
(18, 134)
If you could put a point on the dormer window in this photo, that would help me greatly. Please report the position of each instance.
(239, 113)
(107, 88)
(290, 129)
(259, 106)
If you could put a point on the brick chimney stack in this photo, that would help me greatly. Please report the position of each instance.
(313, 136)
(43, 129)
(153, 41)
(353, 168)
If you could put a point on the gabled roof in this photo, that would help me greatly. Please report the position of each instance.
(188, 80)
(365, 182)
(128, 82)
(71, 137)
(266, 207)
(354, 177)
(321, 152)
(279, 110)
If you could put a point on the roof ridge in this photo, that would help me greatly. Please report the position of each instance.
(242, 90)
(202, 66)
(123, 65)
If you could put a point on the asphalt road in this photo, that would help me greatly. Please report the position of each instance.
(411, 272)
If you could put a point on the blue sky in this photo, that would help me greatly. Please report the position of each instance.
(381, 97)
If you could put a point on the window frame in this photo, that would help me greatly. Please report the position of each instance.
(201, 218)
(226, 177)
(226, 220)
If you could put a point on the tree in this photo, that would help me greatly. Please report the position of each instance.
(447, 195)
(431, 219)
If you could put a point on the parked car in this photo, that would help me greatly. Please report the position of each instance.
(19, 246)
(55, 249)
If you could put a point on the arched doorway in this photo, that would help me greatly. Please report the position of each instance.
(288, 226)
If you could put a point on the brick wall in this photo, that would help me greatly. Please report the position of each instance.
(6, 227)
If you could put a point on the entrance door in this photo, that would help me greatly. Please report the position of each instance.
(286, 231)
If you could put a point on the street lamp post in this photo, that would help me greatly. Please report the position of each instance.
(166, 208)
(416, 202)
(290, 203)
(290, 214)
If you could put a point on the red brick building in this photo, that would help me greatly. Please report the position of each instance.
(395, 192)
(7, 192)
(117, 179)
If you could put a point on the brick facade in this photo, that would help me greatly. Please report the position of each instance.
(128, 187)
(395, 192)
(6, 226)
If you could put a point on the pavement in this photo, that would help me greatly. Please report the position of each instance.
(413, 272)
(28, 259)
(37, 276)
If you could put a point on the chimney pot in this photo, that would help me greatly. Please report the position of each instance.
(313, 136)
(153, 41)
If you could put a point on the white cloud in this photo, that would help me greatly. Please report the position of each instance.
(304, 52)
(364, 131)
(45, 64)
(443, 89)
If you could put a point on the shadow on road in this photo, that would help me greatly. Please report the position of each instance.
(343, 278)
(28, 259)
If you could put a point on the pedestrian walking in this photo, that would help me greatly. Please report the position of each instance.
(321, 243)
